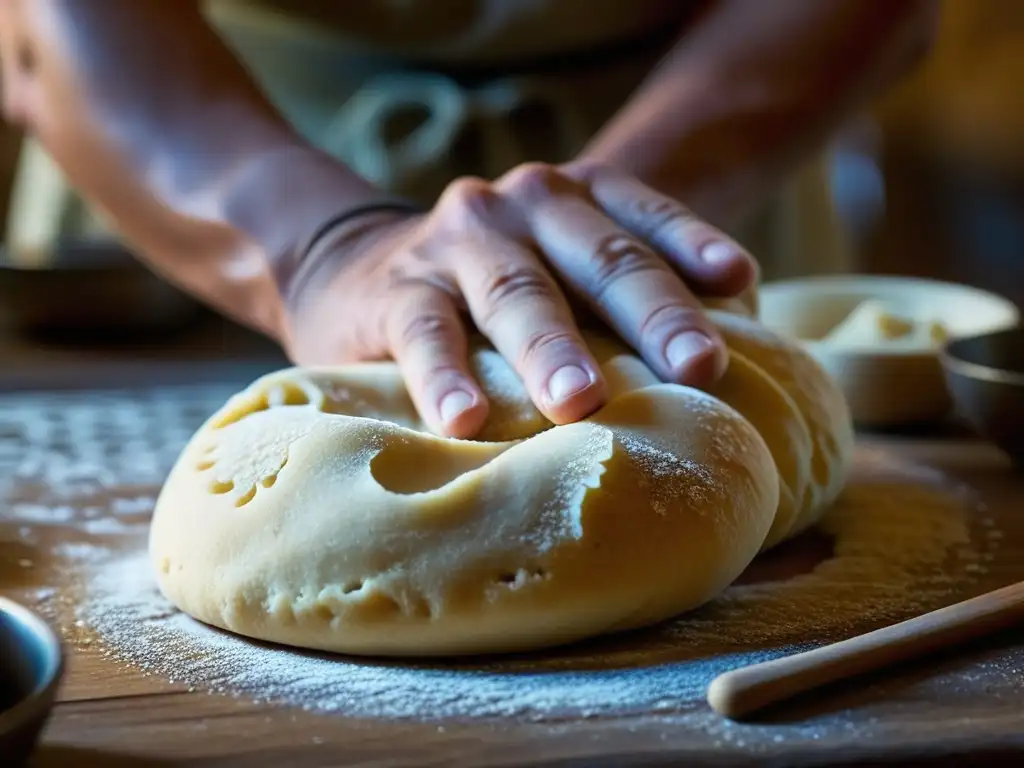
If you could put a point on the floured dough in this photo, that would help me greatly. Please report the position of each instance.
(315, 509)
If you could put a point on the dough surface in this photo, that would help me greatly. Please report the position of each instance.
(316, 510)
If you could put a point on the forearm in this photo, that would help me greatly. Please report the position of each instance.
(753, 89)
(154, 122)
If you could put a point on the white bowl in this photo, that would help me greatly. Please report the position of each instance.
(884, 385)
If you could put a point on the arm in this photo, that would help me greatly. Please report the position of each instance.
(154, 121)
(754, 88)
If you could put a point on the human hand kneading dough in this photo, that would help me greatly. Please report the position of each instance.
(215, 186)
(515, 256)
(332, 515)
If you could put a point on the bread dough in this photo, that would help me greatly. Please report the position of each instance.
(315, 509)
(874, 325)
(817, 397)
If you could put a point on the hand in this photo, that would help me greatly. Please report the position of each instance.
(511, 254)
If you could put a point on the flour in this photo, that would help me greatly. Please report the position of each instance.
(88, 460)
(41, 514)
(562, 511)
(904, 544)
(140, 627)
(82, 443)
(670, 477)
(105, 526)
(132, 507)
(901, 548)
(83, 553)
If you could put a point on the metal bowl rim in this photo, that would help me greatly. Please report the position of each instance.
(954, 363)
(27, 707)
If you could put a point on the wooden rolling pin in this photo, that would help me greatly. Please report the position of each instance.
(744, 691)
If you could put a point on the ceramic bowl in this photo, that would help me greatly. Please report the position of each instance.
(885, 386)
(31, 667)
(985, 375)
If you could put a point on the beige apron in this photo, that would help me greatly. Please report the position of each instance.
(343, 74)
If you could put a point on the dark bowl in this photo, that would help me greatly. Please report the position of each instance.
(31, 666)
(985, 375)
(90, 287)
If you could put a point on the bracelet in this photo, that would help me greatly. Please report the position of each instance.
(292, 273)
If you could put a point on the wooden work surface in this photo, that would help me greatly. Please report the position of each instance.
(111, 714)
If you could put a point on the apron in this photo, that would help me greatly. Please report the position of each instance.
(411, 94)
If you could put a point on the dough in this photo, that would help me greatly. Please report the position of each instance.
(772, 412)
(873, 325)
(817, 397)
(315, 509)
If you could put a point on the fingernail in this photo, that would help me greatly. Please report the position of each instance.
(567, 381)
(719, 252)
(453, 404)
(685, 347)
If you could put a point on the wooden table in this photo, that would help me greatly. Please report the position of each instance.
(113, 715)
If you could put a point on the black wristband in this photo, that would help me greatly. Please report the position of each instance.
(292, 273)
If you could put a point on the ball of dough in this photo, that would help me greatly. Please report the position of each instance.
(315, 509)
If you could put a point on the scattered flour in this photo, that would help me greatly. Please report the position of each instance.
(901, 548)
(41, 514)
(903, 545)
(83, 553)
(105, 526)
(139, 505)
(93, 461)
(139, 626)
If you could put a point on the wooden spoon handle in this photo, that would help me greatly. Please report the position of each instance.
(743, 691)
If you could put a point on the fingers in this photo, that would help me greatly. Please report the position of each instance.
(516, 303)
(707, 259)
(637, 293)
(629, 252)
(428, 341)
(630, 286)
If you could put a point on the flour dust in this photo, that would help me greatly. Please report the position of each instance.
(904, 543)
(900, 548)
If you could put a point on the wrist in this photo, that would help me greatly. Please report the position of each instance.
(336, 240)
(279, 200)
(346, 247)
(280, 197)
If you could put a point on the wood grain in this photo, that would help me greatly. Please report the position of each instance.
(113, 715)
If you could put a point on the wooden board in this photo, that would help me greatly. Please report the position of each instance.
(112, 714)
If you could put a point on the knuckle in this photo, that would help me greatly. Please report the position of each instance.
(662, 218)
(419, 252)
(398, 278)
(424, 327)
(531, 182)
(670, 314)
(468, 198)
(617, 256)
(586, 171)
(508, 286)
(439, 372)
(538, 342)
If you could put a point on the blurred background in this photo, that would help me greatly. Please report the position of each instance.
(930, 183)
